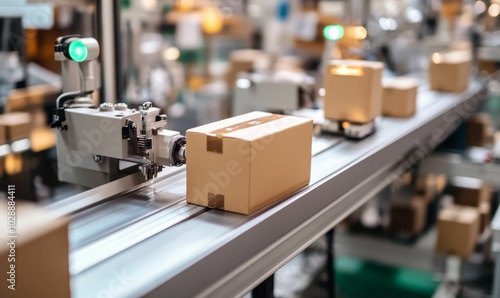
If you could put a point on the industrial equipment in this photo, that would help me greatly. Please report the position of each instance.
(280, 91)
(98, 145)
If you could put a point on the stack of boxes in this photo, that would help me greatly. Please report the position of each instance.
(408, 212)
(461, 224)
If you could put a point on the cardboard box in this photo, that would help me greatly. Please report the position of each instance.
(441, 182)
(27, 99)
(484, 216)
(451, 9)
(40, 259)
(426, 187)
(479, 130)
(450, 71)
(470, 191)
(245, 163)
(243, 61)
(17, 125)
(408, 216)
(487, 66)
(457, 231)
(3, 135)
(353, 90)
(399, 97)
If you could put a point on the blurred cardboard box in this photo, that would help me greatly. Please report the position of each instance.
(450, 71)
(479, 130)
(408, 216)
(244, 60)
(17, 125)
(484, 215)
(441, 182)
(31, 97)
(451, 8)
(399, 97)
(37, 260)
(3, 135)
(487, 66)
(353, 90)
(245, 163)
(488, 59)
(457, 231)
(426, 187)
(470, 191)
(32, 100)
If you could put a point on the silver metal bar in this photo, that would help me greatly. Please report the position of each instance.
(108, 53)
(95, 252)
(103, 193)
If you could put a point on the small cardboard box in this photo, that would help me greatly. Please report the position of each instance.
(426, 187)
(484, 215)
(37, 261)
(457, 231)
(408, 216)
(243, 60)
(17, 125)
(450, 71)
(353, 90)
(479, 130)
(470, 191)
(247, 162)
(399, 97)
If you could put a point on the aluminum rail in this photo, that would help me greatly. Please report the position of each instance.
(221, 254)
(457, 165)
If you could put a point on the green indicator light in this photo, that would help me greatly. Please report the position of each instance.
(78, 51)
(333, 32)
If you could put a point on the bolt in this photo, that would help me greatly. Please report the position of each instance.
(121, 106)
(105, 106)
(97, 158)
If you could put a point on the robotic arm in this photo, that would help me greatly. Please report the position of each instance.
(98, 145)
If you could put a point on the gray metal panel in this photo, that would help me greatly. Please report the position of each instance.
(220, 254)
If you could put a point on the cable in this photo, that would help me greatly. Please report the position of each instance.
(72, 94)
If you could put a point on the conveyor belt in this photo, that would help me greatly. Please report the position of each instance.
(222, 254)
(113, 226)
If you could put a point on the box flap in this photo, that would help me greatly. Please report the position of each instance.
(461, 214)
(453, 57)
(400, 83)
(358, 63)
(205, 129)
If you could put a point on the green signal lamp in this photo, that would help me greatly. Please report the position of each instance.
(333, 32)
(76, 48)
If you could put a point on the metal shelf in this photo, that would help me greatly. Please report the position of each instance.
(219, 254)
